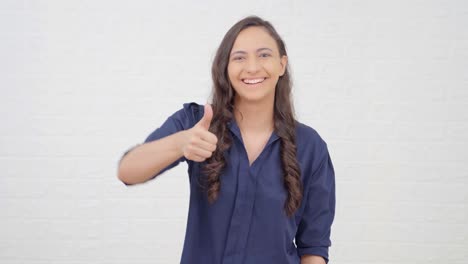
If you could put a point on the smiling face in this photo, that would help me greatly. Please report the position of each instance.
(255, 65)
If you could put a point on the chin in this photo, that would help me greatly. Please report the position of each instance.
(254, 97)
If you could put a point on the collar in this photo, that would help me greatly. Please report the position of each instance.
(232, 124)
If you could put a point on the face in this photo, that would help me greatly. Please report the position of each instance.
(255, 65)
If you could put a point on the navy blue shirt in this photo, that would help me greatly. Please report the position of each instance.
(247, 224)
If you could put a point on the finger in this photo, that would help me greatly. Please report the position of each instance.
(196, 158)
(200, 152)
(205, 145)
(205, 122)
(209, 137)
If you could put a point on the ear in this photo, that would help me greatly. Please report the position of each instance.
(284, 63)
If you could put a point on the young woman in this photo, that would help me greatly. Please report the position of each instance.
(259, 179)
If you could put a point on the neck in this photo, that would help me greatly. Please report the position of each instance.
(254, 117)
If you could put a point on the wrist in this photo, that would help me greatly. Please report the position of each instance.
(180, 142)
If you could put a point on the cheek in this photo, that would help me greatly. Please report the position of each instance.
(231, 77)
(275, 69)
(232, 73)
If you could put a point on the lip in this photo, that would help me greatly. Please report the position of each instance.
(253, 78)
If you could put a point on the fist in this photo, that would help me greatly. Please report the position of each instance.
(199, 142)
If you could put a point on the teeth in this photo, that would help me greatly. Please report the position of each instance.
(254, 80)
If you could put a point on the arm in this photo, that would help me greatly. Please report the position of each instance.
(177, 140)
(144, 161)
(314, 230)
(312, 259)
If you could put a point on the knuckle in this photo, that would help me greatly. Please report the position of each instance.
(192, 140)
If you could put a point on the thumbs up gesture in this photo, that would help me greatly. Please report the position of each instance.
(199, 142)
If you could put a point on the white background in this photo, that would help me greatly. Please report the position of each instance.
(385, 84)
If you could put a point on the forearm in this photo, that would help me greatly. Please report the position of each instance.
(143, 162)
(312, 259)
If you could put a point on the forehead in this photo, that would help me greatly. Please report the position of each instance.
(252, 38)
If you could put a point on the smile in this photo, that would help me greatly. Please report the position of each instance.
(253, 81)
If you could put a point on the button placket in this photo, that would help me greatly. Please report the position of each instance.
(245, 198)
(233, 245)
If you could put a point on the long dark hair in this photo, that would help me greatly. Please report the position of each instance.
(223, 106)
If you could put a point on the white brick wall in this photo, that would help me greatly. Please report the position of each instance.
(384, 82)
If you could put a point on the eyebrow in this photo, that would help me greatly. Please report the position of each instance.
(243, 52)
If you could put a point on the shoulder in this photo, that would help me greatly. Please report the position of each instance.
(311, 146)
(191, 112)
(309, 136)
(193, 109)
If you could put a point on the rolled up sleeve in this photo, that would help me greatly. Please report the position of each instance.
(313, 235)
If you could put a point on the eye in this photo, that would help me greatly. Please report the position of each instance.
(238, 58)
(264, 55)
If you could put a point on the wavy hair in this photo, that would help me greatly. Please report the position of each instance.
(223, 105)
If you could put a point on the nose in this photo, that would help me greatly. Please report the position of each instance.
(252, 65)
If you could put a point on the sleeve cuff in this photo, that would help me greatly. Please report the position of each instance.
(318, 251)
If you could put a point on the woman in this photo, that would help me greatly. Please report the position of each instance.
(259, 179)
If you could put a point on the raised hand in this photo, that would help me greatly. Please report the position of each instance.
(200, 143)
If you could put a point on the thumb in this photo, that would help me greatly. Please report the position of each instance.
(207, 116)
